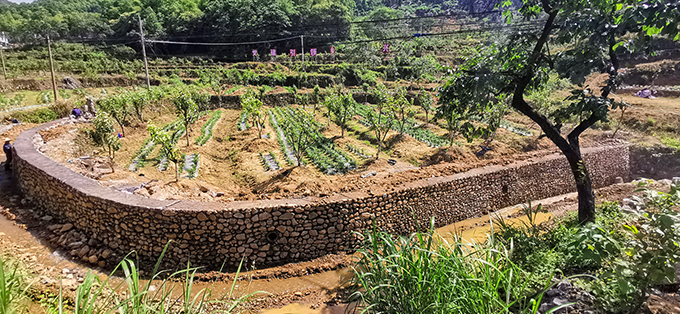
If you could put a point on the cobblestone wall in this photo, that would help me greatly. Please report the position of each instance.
(275, 232)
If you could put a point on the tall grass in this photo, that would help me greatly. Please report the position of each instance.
(13, 286)
(423, 273)
(158, 295)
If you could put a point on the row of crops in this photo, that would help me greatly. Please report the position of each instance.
(411, 128)
(283, 141)
(207, 130)
(141, 157)
(191, 162)
(243, 121)
(358, 151)
(269, 161)
(319, 150)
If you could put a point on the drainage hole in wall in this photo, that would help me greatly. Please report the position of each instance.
(272, 236)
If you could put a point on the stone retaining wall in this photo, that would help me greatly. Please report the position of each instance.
(275, 232)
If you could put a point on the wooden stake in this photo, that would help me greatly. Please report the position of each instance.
(54, 82)
(4, 71)
(146, 65)
(302, 43)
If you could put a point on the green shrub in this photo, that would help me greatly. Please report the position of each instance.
(626, 253)
(41, 115)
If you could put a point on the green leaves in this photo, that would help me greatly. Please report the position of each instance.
(187, 103)
(168, 147)
(473, 91)
(252, 106)
(342, 106)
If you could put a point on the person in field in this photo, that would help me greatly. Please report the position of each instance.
(7, 148)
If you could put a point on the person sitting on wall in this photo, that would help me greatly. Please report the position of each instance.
(76, 113)
(7, 148)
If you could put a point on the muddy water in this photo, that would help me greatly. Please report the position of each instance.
(315, 282)
(303, 309)
(478, 229)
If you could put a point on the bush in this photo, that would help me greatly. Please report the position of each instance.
(628, 253)
(62, 108)
(41, 115)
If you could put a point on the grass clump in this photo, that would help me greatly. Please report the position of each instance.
(670, 140)
(95, 296)
(13, 286)
(423, 273)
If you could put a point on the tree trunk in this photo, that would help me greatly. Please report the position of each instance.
(451, 138)
(176, 172)
(377, 155)
(584, 187)
(111, 159)
(187, 131)
(122, 129)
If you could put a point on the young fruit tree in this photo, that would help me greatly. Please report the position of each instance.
(138, 101)
(118, 109)
(343, 108)
(316, 96)
(253, 106)
(463, 98)
(187, 109)
(104, 134)
(366, 89)
(426, 104)
(298, 139)
(381, 118)
(403, 109)
(167, 147)
(593, 34)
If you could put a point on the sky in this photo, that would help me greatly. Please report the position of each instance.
(21, 1)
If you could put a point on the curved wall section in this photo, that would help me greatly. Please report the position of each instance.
(275, 232)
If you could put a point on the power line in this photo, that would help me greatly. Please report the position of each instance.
(305, 29)
(482, 29)
(219, 44)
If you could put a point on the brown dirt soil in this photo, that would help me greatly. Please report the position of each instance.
(16, 130)
(231, 166)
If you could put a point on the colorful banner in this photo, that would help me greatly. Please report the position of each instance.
(273, 52)
(332, 50)
(293, 53)
(312, 52)
(386, 48)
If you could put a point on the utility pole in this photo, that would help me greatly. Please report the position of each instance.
(302, 43)
(146, 65)
(4, 71)
(54, 82)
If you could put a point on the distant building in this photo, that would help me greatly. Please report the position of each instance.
(4, 41)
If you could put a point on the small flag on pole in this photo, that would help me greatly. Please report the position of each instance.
(386, 48)
(254, 52)
(332, 50)
(312, 52)
(273, 52)
(293, 53)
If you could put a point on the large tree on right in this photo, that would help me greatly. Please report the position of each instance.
(591, 35)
